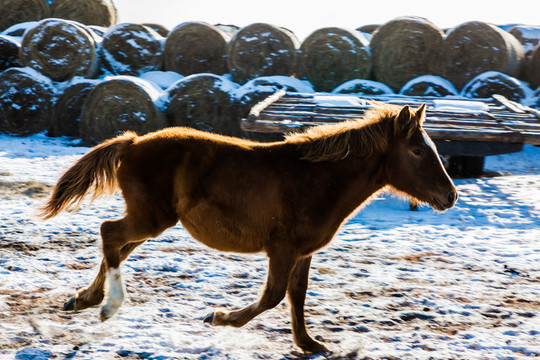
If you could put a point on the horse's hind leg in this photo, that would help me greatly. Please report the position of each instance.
(279, 272)
(297, 295)
(95, 293)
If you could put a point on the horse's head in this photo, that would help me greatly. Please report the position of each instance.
(414, 166)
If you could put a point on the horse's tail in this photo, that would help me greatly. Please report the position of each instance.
(97, 168)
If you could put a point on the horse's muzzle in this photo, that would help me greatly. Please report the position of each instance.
(446, 201)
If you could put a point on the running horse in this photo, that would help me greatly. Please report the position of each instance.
(286, 198)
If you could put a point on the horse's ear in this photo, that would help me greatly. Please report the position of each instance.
(421, 113)
(403, 121)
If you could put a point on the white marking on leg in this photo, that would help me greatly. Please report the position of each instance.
(116, 294)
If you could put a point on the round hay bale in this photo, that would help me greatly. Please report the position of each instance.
(532, 68)
(19, 11)
(261, 50)
(364, 87)
(475, 47)
(405, 48)
(118, 104)
(26, 99)
(196, 47)
(88, 12)
(9, 52)
(428, 85)
(331, 56)
(205, 102)
(493, 82)
(160, 29)
(527, 35)
(131, 49)
(162, 79)
(66, 116)
(60, 50)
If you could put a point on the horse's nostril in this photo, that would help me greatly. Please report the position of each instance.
(452, 196)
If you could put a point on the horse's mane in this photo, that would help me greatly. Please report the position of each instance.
(363, 137)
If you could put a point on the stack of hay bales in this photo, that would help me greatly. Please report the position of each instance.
(363, 87)
(332, 56)
(196, 47)
(262, 50)
(404, 49)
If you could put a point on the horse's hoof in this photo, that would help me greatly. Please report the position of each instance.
(70, 305)
(209, 318)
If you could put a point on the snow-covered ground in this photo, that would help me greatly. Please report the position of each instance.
(392, 284)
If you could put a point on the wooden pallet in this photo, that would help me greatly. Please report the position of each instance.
(498, 124)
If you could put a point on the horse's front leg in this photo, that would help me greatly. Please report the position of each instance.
(297, 294)
(280, 267)
(95, 293)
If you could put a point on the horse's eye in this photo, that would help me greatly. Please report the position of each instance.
(418, 152)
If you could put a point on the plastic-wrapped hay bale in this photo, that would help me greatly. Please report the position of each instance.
(26, 98)
(261, 50)
(205, 102)
(527, 35)
(88, 12)
(331, 56)
(364, 87)
(532, 68)
(475, 47)
(405, 48)
(131, 49)
(60, 50)
(118, 104)
(66, 116)
(428, 85)
(489, 83)
(9, 52)
(196, 47)
(18, 11)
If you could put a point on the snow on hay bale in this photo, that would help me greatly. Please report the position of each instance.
(118, 104)
(9, 52)
(405, 48)
(196, 47)
(258, 89)
(364, 87)
(131, 49)
(261, 50)
(475, 47)
(493, 82)
(18, 30)
(25, 101)
(160, 29)
(67, 110)
(60, 50)
(428, 85)
(18, 11)
(331, 56)
(532, 68)
(88, 12)
(205, 102)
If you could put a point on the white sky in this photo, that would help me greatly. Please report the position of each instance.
(306, 16)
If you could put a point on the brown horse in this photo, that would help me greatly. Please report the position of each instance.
(285, 198)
